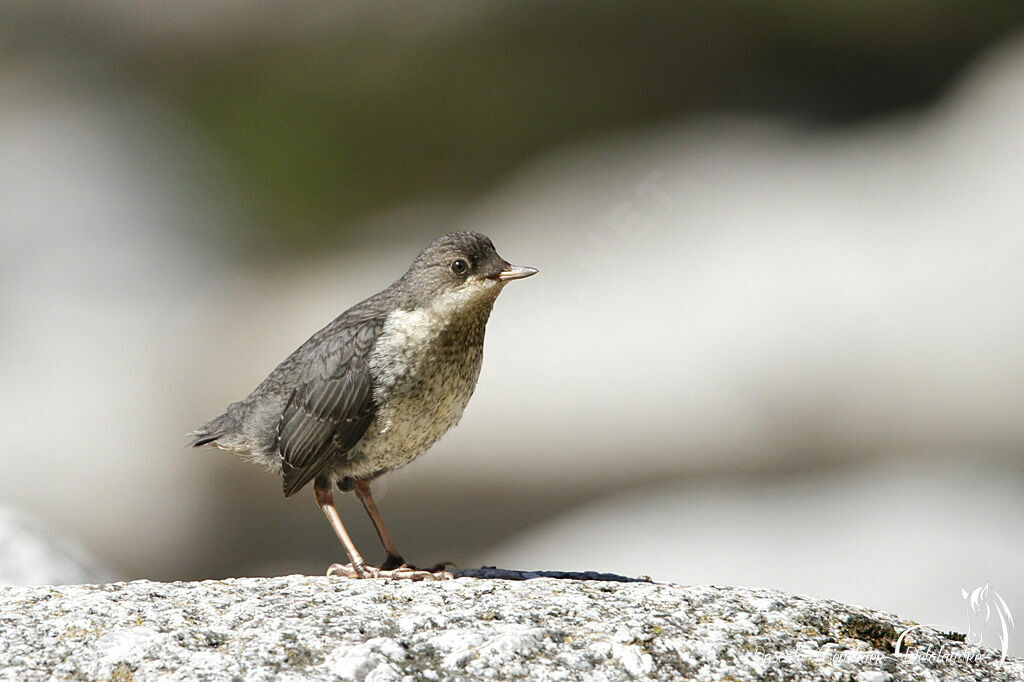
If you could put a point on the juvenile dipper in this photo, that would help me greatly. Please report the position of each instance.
(375, 388)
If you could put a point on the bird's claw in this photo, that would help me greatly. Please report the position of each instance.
(403, 572)
(350, 570)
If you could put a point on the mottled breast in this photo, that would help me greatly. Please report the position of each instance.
(425, 366)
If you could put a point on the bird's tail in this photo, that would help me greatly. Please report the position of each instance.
(199, 437)
(210, 431)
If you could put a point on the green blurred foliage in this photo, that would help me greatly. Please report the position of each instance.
(324, 127)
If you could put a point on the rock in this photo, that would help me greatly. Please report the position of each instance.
(31, 555)
(547, 628)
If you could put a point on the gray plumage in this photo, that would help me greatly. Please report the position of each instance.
(381, 383)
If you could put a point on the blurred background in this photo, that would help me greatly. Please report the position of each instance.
(776, 340)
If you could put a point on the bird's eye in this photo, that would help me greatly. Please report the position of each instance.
(459, 266)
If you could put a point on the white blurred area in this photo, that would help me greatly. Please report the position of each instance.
(99, 287)
(901, 533)
(760, 354)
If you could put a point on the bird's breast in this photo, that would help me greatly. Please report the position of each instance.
(424, 367)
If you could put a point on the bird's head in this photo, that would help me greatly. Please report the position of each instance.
(459, 272)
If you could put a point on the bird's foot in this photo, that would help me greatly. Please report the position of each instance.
(403, 572)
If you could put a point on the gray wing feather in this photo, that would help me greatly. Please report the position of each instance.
(331, 406)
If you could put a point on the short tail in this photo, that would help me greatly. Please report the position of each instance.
(209, 432)
(199, 438)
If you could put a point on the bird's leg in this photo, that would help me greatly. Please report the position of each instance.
(393, 559)
(325, 500)
(394, 565)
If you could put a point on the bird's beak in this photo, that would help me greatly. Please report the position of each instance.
(516, 272)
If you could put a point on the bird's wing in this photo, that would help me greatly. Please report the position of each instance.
(331, 406)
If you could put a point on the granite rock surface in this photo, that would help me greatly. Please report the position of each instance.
(486, 624)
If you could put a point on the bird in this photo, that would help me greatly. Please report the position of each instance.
(374, 389)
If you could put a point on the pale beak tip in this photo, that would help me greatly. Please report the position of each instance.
(516, 272)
